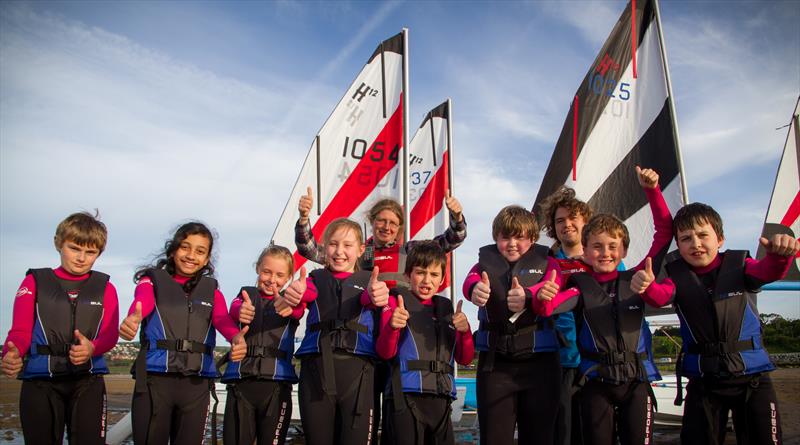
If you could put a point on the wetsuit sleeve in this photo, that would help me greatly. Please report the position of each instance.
(465, 348)
(236, 304)
(388, 337)
(564, 301)
(306, 244)
(662, 220)
(455, 234)
(108, 334)
(766, 270)
(298, 311)
(473, 277)
(145, 294)
(221, 320)
(530, 292)
(21, 330)
(659, 294)
(311, 291)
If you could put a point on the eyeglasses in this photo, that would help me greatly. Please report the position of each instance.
(386, 223)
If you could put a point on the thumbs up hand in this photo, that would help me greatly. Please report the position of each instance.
(305, 205)
(550, 287)
(516, 296)
(781, 244)
(81, 352)
(12, 362)
(130, 325)
(238, 345)
(641, 279)
(648, 178)
(481, 291)
(281, 306)
(460, 319)
(294, 293)
(399, 315)
(247, 311)
(454, 206)
(377, 290)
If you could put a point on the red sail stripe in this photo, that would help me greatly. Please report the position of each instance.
(352, 193)
(431, 201)
(792, 212)
(634, 36)
(575, 138)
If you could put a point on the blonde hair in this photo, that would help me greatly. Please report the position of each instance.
(281, 252)
(515, 220)
(346, 224)
(82, 228)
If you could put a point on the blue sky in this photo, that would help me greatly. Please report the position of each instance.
(160, 112)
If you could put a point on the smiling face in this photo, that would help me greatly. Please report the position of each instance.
(77, 259)
(425, 281)
(272, 270)
(604, 252)
(568, 227)
(513, 247)
(699, 245)
(192, 255)
(385, 227)
(342, 250)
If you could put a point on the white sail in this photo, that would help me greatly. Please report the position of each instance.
(621, 116)
(783, 214)
(355, 158)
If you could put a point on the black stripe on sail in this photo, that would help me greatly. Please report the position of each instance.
(620, 194)
(393, 44)
(440, 111)
(609, 64)
(433, 141)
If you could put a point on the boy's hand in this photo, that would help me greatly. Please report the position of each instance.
(549, 289)
(12, 362)
(453, 206)
(460, 319)
(648, 178)
(82, 352)
(378, 290)
(247, 311)
(294, 293)
(239, 346)
(399, 315)
(516, 296)
(781, 244)
(643, 278)
(481, 291)
(305, 205)
(130, 325)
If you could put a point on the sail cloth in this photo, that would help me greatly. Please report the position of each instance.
(430, 176)
(783, 214)
(353, 160)
(621, 116)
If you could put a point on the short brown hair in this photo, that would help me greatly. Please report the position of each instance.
(424, 254)
(606, 223)
(385, 204)
(281, 252)
(696, 214)
(563, 197)
(515, 220)
(82, 228)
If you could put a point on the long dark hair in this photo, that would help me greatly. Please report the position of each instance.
(166, 259)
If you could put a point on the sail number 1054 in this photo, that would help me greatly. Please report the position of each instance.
(377, 152)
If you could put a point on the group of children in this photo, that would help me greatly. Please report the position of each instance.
(562, 336)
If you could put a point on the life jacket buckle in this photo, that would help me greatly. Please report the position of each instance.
(183, 345)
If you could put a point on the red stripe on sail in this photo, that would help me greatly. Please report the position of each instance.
(431, 201)
(575, 138)
(634, 36)
(792, 212)
(352, 193)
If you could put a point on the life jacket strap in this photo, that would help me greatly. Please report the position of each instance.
(434, 366)
(54, 349)
(184, 345)
(712, 349)
(338, 325)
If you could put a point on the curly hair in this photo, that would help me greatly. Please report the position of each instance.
(563, 197)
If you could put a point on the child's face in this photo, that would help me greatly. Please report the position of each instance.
(272, 270)
(385, 227)
(699, 245)
(77, 259)
(568, 227)
(604, 252)
(513, 247)
(342, 250)
(425, 281)
(192, 255)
